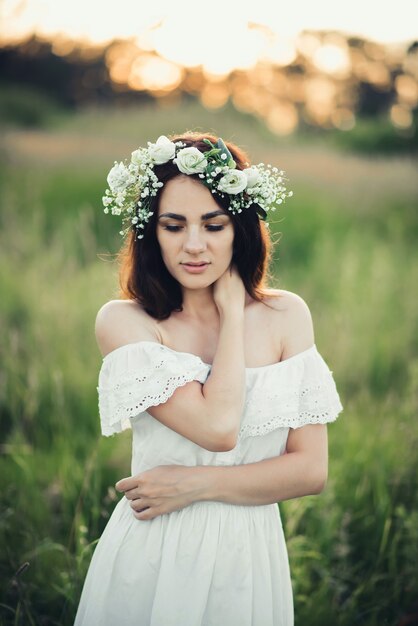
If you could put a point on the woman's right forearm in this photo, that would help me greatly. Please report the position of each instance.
(224, 390)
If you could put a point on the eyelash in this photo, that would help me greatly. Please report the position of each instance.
(211, 228)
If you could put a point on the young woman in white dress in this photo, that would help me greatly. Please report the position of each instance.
(221, 382)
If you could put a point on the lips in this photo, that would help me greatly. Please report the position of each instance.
(195, 267)
(199, 264)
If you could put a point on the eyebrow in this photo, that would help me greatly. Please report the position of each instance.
(181, 218)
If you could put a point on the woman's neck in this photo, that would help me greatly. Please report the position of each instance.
(199, 304)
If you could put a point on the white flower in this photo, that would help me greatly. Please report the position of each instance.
(139, 158)
(162, 150)
(267, 196)
(119, 178)
(253, 176)
(133, 168)
(233, 182)
(190, 161)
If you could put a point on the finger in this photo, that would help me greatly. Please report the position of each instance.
(147, 514)
(126, 483)
(135, 504)
(132, 494)
(138, 504)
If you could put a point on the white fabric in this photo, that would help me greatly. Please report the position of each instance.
(210, 563)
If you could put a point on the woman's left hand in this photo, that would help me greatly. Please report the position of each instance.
(160, 490)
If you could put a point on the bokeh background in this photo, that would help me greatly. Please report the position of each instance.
(325, 91)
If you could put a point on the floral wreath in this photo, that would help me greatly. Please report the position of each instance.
(131, 186)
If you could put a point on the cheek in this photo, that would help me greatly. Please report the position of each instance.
(164, 244)
(225, 238)
(224, 251)
(228, 243)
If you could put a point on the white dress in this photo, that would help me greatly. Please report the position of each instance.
(211, 563)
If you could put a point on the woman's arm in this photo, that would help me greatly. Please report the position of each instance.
(208, 414)
(302, 471)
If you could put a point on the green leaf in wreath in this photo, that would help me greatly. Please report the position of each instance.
(224, 150)
(261, 213)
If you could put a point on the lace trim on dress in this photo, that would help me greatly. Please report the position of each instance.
(131, 391)
(318, 404)
(124, 401)
(284, 395)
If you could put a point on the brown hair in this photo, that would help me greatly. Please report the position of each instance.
(143, 275)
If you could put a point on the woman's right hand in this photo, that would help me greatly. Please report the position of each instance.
(229, 291)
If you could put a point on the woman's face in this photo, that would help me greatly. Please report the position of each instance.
(195, 235)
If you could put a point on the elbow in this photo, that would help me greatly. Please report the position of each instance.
(226, 444)
(223, 441)
(318, 483)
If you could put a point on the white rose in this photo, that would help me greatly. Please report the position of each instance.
(233, 182)
(119, 178)
(190, 161)
(253, 176)
(162, 150)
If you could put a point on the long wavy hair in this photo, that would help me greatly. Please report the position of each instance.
(143, 275)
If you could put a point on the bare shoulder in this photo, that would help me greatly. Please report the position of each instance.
(119, 322)
(294, 319)
(284, 301)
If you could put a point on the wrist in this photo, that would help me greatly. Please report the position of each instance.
(204, 483)
(232, 315)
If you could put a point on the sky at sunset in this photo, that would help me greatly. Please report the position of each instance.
(101, 20)
(220, 36)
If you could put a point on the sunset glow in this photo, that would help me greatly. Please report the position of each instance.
(285, 64)
(210, 27)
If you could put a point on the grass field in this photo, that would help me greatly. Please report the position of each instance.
(348, 247)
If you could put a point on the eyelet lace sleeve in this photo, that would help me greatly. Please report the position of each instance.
(139, 375)
(300, 391)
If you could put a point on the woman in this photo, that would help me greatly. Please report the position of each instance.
(223, 386)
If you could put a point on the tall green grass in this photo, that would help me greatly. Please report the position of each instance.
(348, 247)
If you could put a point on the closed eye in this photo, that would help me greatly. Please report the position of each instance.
(210, 227)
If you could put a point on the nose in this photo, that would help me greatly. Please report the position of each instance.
(195, 241)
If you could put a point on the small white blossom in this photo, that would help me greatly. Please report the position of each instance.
(119, 177)
(253, 176)
(140, 158)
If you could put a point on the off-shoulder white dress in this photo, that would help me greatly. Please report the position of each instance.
(211, 563)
